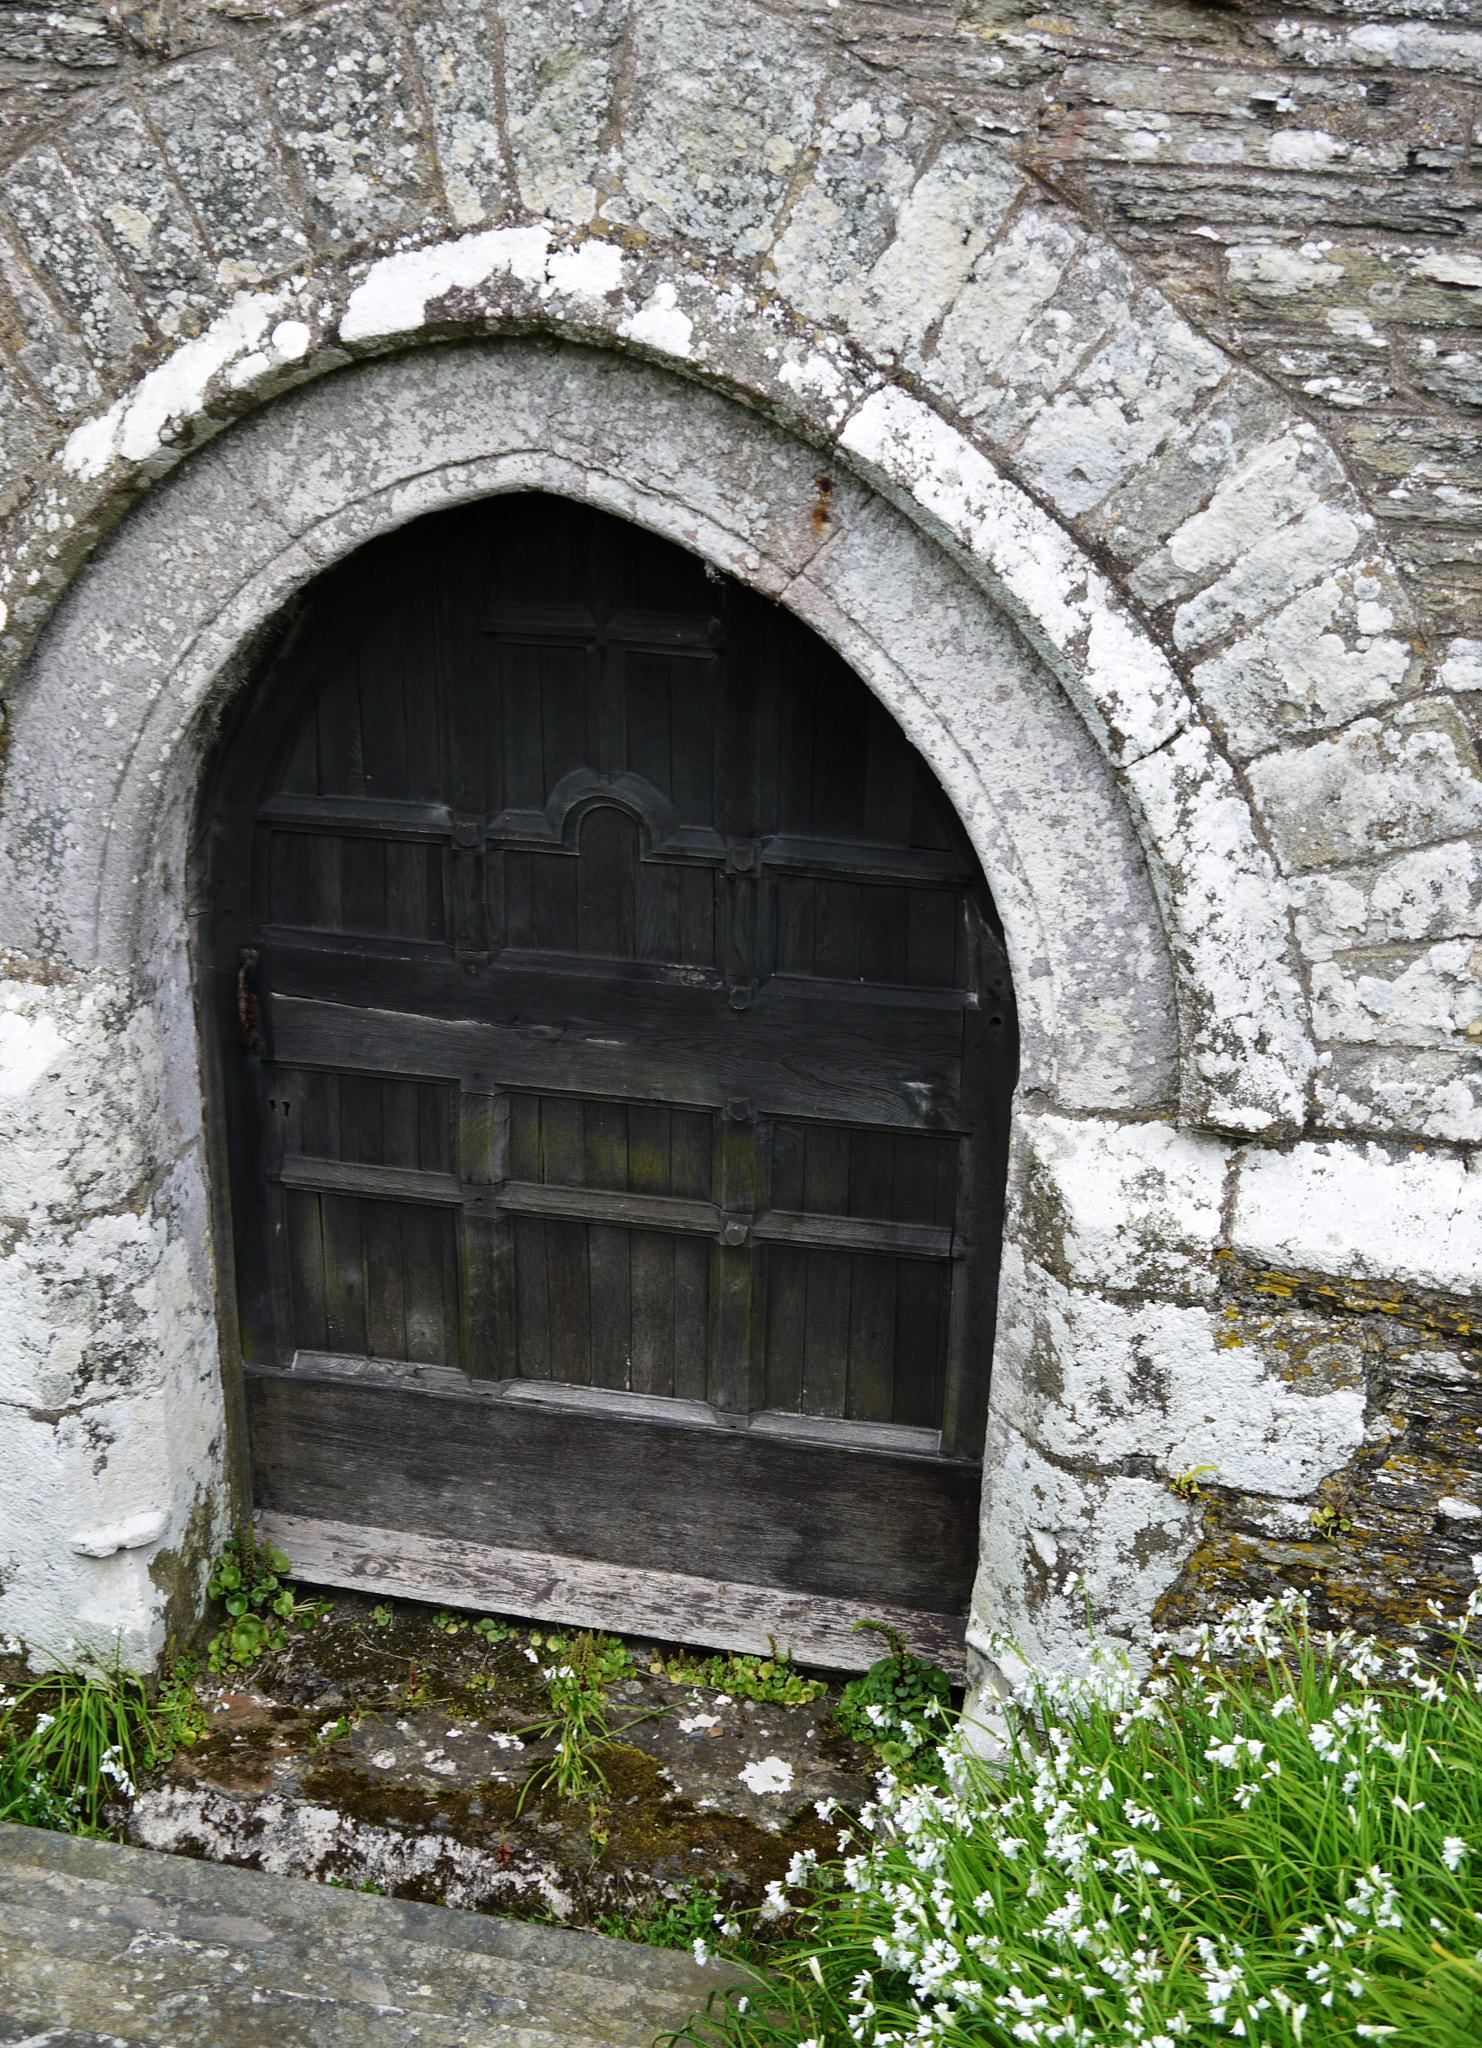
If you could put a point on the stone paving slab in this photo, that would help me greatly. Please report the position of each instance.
(103, 1946)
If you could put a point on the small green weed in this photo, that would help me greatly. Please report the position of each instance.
(450, 1624)
(248, 1580)
(688, 1916)
(587, 1665)
(772, 1679)
(902, 1706)
(492, 1631)
(381, 1616)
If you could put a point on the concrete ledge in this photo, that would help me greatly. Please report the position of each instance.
(107, 1945)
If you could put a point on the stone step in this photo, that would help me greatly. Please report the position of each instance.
(102, 1946)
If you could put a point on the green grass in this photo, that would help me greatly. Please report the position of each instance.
(73, 1743)
(688, 1916)
(1278, 1840)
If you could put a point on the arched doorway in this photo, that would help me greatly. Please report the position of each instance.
(615, 1048)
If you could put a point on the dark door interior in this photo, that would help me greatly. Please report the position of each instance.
(615, 1044)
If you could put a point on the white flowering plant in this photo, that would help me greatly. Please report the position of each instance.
(1276, 1839)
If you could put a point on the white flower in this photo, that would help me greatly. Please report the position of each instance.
(702, 1953)
(1452, 1851)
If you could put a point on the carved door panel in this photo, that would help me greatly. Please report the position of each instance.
(615, 1046)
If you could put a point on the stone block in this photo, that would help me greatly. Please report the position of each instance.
(126, 185)
(1152, 1389)
(347, 105)
(1310, 284)
(1247, 1053)
(83, 38)
(1435, 893)
(1178, 481)
(1400, 995)
(1325, 658)
(1091, 303)
(1124, 403)
(1281, 563)
(57, 234)
(219, 140)
(25, 431)
(1128, 1208)
(719, 118)
(1009, 289)
(1273, 483)
(1061, 1536)
(1390, 1092)
(1398, 1216)
(868, 249)
(457, 53)
(1382, 785)
(560, 76)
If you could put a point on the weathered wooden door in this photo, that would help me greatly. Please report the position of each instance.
(615, 1045)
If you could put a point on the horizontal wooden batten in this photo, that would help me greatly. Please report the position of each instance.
(355, 1177)
(833, 1520)
(855, 1234)
(616, 1207)
(892, 1068)
(675, 1607)
(609, 1205)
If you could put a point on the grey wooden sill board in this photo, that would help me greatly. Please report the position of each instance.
(102, 1946)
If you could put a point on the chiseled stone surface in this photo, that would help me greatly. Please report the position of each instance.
(104, 1945)
(1187, 416)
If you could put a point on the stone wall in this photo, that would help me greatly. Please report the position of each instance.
(1157, 326)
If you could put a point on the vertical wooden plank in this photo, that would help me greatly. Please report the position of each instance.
(737, 1328)
(519, 899)
(651, 1269)
(305, 1258)
(524, 1137)
(569, 1285)
(360, 1137)
(826, 1162)
(520, 732)
(487, 1283)
(787, 1303)
(692, 707)
(431, 1285)
(341, 765)
(884, 934)
(553, 902)
(605, 1149)
(563, 1164)
(386, 1281)
(692, 1263)
(870, 1391)
(932, 948)
(697, 947)
(826, 1334)
(344, 1274)
(836, 930)
(922, 1292)
(610, 1282)
(532, 1299)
